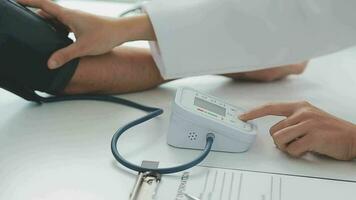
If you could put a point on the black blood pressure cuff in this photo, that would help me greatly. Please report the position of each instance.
(26, 43)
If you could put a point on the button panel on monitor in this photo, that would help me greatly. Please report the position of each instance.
(231, 115)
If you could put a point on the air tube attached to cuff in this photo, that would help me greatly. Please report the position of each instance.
(26, 43)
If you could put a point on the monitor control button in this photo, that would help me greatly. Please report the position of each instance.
(247, 127)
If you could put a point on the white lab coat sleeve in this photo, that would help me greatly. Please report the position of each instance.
(196, 37)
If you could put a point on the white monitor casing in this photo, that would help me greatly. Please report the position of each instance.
(190, 124)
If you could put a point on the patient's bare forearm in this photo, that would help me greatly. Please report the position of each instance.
(123, 70)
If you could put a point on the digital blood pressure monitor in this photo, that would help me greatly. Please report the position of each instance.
(194, 115)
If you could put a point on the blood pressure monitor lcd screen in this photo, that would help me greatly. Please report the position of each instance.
(210, 106)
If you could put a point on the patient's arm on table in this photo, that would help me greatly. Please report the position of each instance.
(123, 70)
(128, 69)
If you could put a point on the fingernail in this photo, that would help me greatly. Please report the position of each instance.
(243, 118)
(53, 64)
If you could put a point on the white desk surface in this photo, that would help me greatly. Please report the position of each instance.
(62, 151)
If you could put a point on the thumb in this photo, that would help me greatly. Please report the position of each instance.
(63, 56)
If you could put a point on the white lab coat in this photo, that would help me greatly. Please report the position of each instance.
(196, 37)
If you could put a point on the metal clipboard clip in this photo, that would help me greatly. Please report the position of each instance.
(146, 184)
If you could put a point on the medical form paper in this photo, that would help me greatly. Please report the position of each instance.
(205, 183)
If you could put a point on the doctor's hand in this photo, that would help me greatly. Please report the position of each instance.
(95, 35)
(271, 74)
(308, 129)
